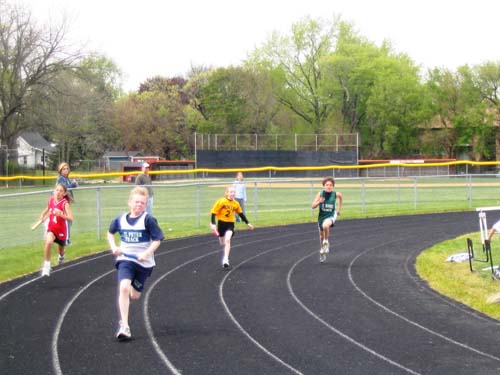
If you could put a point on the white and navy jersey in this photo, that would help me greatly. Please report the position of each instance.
(136, 234)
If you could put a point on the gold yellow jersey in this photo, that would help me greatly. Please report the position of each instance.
(224, 209)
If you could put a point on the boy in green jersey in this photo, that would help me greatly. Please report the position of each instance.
(330, 204)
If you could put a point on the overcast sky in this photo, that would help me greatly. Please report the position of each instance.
(165, 37)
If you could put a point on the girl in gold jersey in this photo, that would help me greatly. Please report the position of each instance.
(223, 210)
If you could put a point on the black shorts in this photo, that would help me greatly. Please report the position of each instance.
(224, 226)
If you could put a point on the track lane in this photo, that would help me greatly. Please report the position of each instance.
(208, 321)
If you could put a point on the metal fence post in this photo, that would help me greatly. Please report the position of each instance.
(311, 193)
(415, 192)
(255, 201)
(99, 219)
(469, 188)
(198, 209)
(363, 196)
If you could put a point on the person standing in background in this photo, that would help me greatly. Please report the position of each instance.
(241, 193)
(145, 179)
(63, 179)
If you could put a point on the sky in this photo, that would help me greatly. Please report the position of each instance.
(146, 38)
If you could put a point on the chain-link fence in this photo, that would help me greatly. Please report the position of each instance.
(276, 142)
(182, 206)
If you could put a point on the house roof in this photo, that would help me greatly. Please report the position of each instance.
(35, 139)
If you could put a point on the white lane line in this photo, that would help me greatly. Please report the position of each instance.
(149, 329)
(147, 321)
(54, 271)
(239, 326)
(77, 263)
(55, 337)
(407, 320)
(335, 330)
(456, 305)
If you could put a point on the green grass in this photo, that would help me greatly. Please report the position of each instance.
(455, 280)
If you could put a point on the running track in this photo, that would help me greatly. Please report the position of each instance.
(277, 311)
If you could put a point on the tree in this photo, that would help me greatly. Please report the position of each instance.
(397, 105)
(295, 62)
(30, 57)
(154, 123)
(376, 93)
(461, 105)
(73, 112)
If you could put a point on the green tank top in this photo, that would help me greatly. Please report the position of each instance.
(327, 208)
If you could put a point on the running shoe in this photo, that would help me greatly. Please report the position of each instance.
(123, 333)
(325, 247)
(322, 258)
(46, 269)
(61, 259)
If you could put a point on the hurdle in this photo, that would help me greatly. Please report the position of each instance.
(483, 229)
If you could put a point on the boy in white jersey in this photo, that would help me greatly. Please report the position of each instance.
(140, 236)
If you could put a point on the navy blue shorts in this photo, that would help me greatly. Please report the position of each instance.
(138, 274)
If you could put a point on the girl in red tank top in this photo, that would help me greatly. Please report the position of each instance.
(59, 213)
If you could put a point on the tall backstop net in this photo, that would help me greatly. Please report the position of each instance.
(223, 151)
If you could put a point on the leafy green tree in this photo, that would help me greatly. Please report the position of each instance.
(236, 100)
(461, 104)
(73, 113)
(295, 63)
(488, 83)
(376, 93)
(163, 84)
(154, 123)
(30, 58)
(395, 108)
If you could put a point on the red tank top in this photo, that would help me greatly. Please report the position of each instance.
(57, 224)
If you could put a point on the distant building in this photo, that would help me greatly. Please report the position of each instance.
(33, 150)
(114, 160)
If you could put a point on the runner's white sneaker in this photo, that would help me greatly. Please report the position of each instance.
(46, 269)
(325, 247)
(123, 333)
